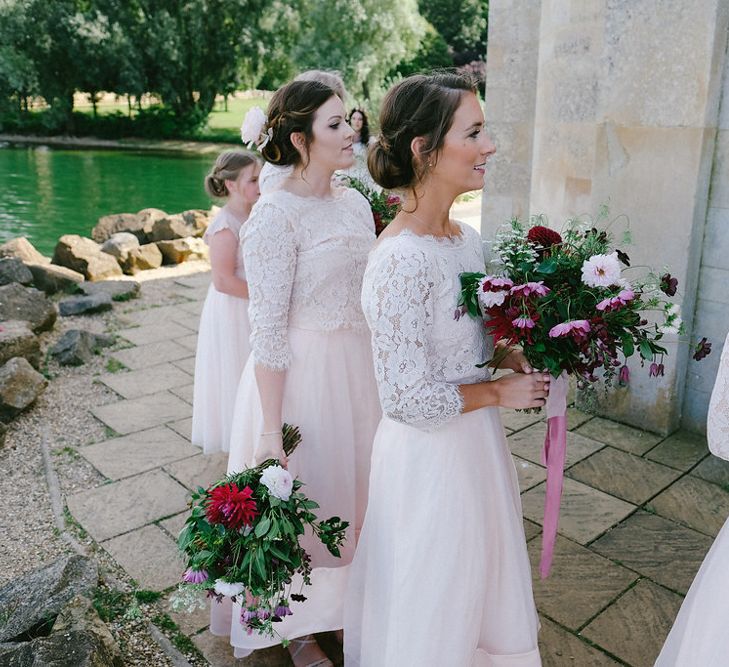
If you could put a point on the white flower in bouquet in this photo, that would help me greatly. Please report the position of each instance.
(251, 131)
(490, 299)
(673, 322)
(228, 589)
(601, 270)
(278, 481)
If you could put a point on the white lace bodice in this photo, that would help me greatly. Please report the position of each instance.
(224, 219)
(717, 426)
(305, 258)
(421, 352)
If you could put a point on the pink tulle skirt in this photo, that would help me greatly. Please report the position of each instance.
(441, 575)
(331, 395)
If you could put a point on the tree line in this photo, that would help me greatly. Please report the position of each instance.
(187, 52)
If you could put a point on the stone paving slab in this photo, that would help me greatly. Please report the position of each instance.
(201, 279)
(681, 450)
(581, 583)
(529, 442)
(516, 421)
(618, 435)
(138, 452)
(529, 474)
(193, 307)
(219, 653)
(560, 648)
(145, 356)
(576, 418)
(623, 475)
(141, 413)
(185, 392)
(146, 381)
(174, 524)
(657, 548)
(201, 470)
(187, 365)
(635, 627)
(531, 529)
(113, 509)
(183, 427)
(189, 623)
(154, 333)
(586, 512)
(189, 342)
(695, 503)
(713, 469)
(149, 556)
(153, 316)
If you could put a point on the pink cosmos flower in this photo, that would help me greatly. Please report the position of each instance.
(624, 297)
(530, 288)
(601, 270)
(523, 323)
(195, 576)
(579, 327)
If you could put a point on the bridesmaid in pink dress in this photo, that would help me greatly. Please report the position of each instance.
(699, 636)
(305, 249)
(441, 575)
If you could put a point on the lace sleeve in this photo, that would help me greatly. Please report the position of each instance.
(717, 427)
(401, 312)
(269, 255)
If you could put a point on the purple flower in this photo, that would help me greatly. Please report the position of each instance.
(703, 349)
(529, 288)
(624, 376)
(656, 370)
(246, 616)
(523, 323)
(194, 576)
(578, 327)
(283, 610)
(669, 284)
(263, 614)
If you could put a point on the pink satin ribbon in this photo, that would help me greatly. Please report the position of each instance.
(553, 458)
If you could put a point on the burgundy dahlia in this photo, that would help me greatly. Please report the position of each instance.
(231, 506)
(543, 237)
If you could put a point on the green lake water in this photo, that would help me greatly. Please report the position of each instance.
(47, 192)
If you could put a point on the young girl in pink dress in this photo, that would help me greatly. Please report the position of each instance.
(441, 574)
(223, 347)
(305, 250)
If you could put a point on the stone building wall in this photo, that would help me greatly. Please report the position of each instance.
(626, 110)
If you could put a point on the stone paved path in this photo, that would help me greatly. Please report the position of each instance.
(639, 511)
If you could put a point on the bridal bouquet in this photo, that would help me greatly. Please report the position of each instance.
(566, 300)
(384, 206)
(241, 541)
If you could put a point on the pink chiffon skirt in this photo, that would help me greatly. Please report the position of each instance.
(441, 575)
(331, 396)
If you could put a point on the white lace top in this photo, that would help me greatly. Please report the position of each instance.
(224, 219)
(272, 177)
(305, 259)
(421, 352)
(717, 427)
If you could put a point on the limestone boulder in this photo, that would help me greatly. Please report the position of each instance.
(12, 270)
(119, 245)
(116, 223)
(85, 305)
(77, 346)
(183, 250)
(144, 257)
(24, 250)
(52, 278)
(85, 256)
(26, 303)
(18, 340)
(3, 433)
(181, 225)
(20, 385)
(149, 216)
(118, 290)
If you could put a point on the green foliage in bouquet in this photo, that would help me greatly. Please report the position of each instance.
(241, 540)
(385, 206)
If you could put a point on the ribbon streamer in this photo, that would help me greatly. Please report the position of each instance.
(553, 458)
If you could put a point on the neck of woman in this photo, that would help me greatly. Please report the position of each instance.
(238, 208)
(312, 180)
(429, 212)
(357, 138)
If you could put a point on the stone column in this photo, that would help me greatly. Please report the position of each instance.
(627, 100)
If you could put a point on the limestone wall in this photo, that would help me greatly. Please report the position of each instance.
(626, 111)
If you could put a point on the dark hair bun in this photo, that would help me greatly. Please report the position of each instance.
(388, 168)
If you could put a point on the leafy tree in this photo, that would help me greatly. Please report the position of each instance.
(360, 38)
(463, 24)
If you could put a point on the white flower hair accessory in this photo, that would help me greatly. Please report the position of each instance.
(252, 130)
